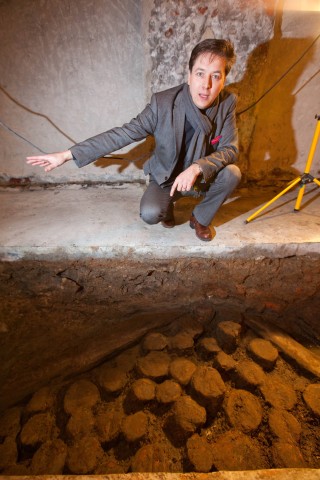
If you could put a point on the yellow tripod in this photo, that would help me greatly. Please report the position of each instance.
(302, 179)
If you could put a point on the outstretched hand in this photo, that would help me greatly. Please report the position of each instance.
(51, 160)
(186, 179)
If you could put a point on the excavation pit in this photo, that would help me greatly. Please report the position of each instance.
(199, 386)
(125, 359)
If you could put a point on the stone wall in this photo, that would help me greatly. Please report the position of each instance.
(70, 71)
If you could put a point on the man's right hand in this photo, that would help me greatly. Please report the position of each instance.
(51, 160)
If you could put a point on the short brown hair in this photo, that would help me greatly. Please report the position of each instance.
(221, 48)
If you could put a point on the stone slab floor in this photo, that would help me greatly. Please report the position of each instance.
(103, 222)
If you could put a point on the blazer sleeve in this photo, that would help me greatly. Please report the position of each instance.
(227, 150)
(137, 129)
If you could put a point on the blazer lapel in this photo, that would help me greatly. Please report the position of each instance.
(179, 117)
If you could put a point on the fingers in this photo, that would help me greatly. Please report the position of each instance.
(40, 160)
(180, 186)
(40, 163)
(185, 181)
(48, 162)
(38, 157)
(173, 188)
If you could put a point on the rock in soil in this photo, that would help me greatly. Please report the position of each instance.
(224, 362)
(311, 396)
(236, 451)
(168, 391)
(108, 422)
(150, 458)
(81, 423)
(134, 427)
(154, 341)
(50, 458)
(263, 352)
(243, 410)
(284, 426)
(182, 342)
(208, 347)
(278, 393)
(144, 389)
(154, 365)
(199, 453)
(181, 370)
(249, 374)
(208, 386)
(8, 452)
(81, 394)
(39, 429)
(84, 455)
(111, 379)
(41, 401)
(188, 414)
(10, 422)
(228, 335)
(110, 465)
(287, 455)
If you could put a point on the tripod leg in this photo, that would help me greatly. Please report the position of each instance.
(308, 166)
(291, 185)
(301, 192)
(316, 181)
(313, 146)
(299, 198)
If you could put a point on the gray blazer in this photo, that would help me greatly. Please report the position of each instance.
(163, 119)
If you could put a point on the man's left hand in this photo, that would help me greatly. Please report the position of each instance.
(186, 179)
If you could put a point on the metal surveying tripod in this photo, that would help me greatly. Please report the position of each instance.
(302, 179)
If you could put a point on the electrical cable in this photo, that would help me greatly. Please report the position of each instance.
(38, 114)
(279, 79)
(20, 136)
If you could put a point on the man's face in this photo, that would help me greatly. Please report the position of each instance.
(206, 80)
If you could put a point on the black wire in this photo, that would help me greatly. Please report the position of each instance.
(279, 79)
(20, 136)
(38, 114)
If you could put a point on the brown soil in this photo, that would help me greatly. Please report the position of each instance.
(168, 404)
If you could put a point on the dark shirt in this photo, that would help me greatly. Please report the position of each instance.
(187, 136)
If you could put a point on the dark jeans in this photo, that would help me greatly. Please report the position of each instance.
(157, 205)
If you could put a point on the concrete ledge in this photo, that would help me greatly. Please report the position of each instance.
(273, 474)
(73, 222)
(259, 252)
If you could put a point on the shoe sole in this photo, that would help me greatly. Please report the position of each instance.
(165, 225)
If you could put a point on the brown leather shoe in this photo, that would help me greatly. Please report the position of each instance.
(168, 223)
(202, 232)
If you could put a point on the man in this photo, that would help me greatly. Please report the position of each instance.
(196, 142)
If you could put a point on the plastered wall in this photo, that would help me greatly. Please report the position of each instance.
(78, 62)
(284, 120)
(70, 69)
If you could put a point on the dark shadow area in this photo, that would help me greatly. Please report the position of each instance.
(272, 150)
(242, 201)
(282, 201)
(266, 99)
(138, 155)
